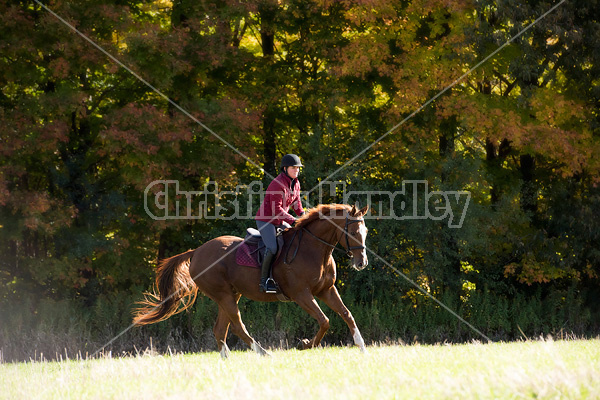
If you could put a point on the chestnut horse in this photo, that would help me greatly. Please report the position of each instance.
(212, 268)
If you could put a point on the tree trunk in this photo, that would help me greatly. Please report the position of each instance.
(451, 278)
(267, 15)
(528, 187)
(495, 156)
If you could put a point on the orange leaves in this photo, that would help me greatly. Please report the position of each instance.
(551, 126)
(482, 117)
(141, 127)
(4, 192)
(235, 115)
(39, 210)
(559, 131)
(555, 109)
(362, 56)
(531, 270)
(139, 139)
(52, 134)
(370, 11)
(60, 68)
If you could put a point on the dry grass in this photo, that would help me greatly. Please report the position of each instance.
(542, 369)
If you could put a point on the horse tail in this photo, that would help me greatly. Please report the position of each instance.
(174, 285)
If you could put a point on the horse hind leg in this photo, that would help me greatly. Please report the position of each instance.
(220, 331)
(309, 304)
(230, 308)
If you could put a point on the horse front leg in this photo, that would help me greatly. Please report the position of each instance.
(309, 304)
(332, 298)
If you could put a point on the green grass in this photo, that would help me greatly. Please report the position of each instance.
(541, 369)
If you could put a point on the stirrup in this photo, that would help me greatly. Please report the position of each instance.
(270, 286)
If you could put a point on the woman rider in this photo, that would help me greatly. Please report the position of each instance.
(283, 192)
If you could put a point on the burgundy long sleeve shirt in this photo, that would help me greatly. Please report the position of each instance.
(282, 193)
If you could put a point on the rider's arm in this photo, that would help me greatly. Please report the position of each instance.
(297, 205)
(296, 202)
(278, 210)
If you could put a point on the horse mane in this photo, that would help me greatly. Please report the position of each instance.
(315, 213)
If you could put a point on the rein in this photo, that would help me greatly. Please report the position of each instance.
(285, 259)
(333, 246)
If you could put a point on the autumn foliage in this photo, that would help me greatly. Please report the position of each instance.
(81, 137)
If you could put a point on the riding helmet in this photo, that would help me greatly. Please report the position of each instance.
(291, 160)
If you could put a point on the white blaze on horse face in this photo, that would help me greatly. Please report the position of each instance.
(363, 232)
(363, 237)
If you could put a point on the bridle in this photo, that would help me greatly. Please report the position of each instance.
(347, 250)
(346, 225)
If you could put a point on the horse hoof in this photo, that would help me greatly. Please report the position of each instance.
(303, 344)
(259, 350)
(224, 351)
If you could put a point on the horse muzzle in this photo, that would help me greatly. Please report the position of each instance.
(360, 263)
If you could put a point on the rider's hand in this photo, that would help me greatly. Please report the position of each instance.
(286, 225)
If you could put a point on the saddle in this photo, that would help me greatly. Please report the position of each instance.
(252, 250)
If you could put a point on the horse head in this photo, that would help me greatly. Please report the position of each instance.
(355, 234)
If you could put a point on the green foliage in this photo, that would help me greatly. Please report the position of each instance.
(81, 138)
(31, 328)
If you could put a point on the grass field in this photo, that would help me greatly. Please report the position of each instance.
(536, 369)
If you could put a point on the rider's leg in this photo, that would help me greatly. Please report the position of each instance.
(268, 234)
(267, 285)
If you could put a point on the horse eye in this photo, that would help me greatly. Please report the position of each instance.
(353, 233)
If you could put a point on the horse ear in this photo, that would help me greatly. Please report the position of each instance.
(353, 210)
(363, 210)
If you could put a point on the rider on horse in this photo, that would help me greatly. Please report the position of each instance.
(283, 192)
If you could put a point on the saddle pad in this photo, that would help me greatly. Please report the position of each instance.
(247, 256)
(250, 253)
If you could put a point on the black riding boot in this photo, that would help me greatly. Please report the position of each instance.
(267, 284)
